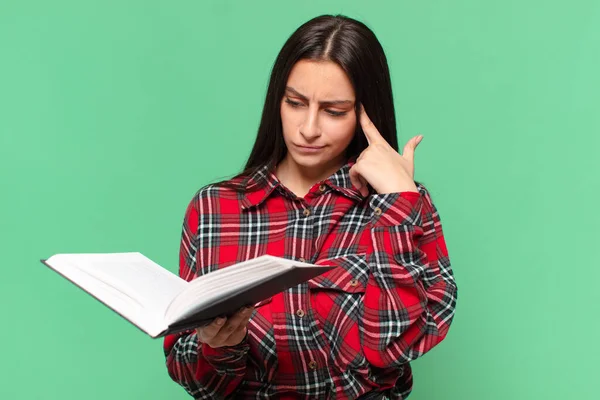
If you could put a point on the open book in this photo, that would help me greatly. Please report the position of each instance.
(160, 302)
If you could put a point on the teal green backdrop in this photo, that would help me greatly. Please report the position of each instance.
(113, 113)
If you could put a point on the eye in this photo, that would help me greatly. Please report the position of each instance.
(292, 103)
(336, 113)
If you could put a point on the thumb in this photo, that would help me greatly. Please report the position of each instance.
(409, 149)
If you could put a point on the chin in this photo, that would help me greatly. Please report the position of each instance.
(311, 161)
(305, 161)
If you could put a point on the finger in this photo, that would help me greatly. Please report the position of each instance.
(359, 181)
(208, 332)
(409, 149)
(236, 337)
(368, 127)
(364, 190)
(238, 334)
(233, 332)
(355, 177)
(234, 322)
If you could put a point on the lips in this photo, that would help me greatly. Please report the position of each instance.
(307, 150)
(310, 147)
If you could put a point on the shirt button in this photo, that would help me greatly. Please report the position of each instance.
(377, 211)
(322, 188)
(306, 212)
(312, 364)
(300, 313)
(354, 282)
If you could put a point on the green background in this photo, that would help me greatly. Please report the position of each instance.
(112, 115)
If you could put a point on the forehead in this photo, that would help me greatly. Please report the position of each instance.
(321, 80)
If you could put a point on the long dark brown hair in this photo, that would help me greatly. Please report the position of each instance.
(354, 47)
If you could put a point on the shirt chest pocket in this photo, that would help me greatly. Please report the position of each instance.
(350, 275)
(337, 298)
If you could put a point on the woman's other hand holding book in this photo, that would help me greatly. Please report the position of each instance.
(226, 331)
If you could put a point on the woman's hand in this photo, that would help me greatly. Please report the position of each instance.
(380, 165)
(226, 331)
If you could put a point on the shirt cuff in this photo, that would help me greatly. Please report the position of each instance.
(399, 208)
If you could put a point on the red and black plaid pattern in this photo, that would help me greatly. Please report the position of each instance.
(342, 335)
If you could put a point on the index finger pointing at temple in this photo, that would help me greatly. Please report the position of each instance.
(368, 127)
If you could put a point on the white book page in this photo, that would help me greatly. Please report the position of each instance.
(129, 283)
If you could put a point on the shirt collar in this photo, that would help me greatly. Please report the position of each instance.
(260, 184)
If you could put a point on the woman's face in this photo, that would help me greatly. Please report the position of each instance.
(317, 114)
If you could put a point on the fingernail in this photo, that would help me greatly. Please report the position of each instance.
(220, 321)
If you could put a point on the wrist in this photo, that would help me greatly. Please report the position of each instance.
(399, 189)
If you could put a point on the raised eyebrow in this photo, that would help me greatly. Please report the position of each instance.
(323, 103)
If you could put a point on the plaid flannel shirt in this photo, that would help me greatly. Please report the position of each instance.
(347, 333)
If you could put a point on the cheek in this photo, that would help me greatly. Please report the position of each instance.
(342, 131)
(289, 118)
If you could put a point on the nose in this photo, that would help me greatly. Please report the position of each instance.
(310, 128)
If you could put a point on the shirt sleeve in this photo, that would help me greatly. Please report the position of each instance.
(204, 372)
(411, 294)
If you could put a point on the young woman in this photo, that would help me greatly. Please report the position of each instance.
(325, 184)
